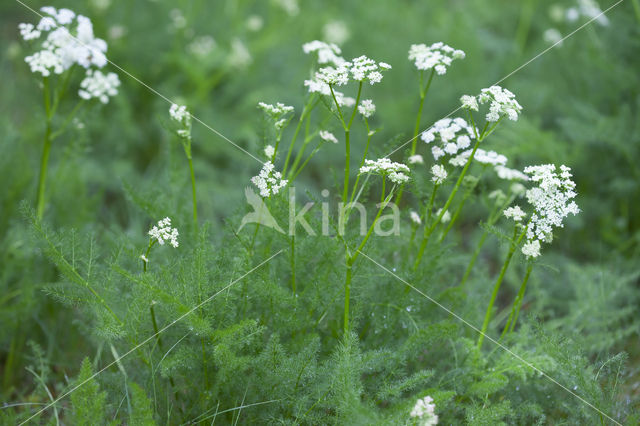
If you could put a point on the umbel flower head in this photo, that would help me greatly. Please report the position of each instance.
(424, 411)
(99, 85)
(481, 156)
(437, 56)
(396, 172)
(181, 115)
(502, 103)
(268, 182)
(163, 232)
(328, 53)
(359, 69)
(450, 136)
(66, 39)
(551, 201)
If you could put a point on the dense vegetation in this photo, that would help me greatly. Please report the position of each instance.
(109, 317)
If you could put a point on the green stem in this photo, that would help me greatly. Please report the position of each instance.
(636, 8)
(146, 254)
(364, 157)
(299, 170)
(350, 259)
(347, 291)
(467, 272)
(428, 230)
(496, 287)
(515, 310)
(306, 110)
(193, 193)
(423, 95)
(293, 264)
(46, 148)
(155, 326)
(345, 191)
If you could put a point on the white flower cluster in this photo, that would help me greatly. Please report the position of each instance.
(481, 156)
(416, 159)
(277, 113)
(269, 150)
(328, 53)
(367, 108)
(180, 114)
(446, 132)
(551, 201)
(99, 85)
(268, 182)
(439, 174)
(425, 411)
(509, 174)
(515, 213)
(164, 232)
(396, 172)
(503, 102)
(437, 56)
(359, 69)
(69, 40)
(328, 136)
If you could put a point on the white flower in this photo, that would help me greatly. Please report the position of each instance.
(415, 217)
(61, 48)
(268, 182)
(276, 110)
(328, 136)
(336, 32)
(437, 56)
(28, 31)
(439, 174)
(98, 85)
(335, 76)
(446, 132)
(44, 62)
(531, 248)
(424, 409)
(514, 213)
(416, 159)
(180, 114)
(502, 103)
(469, 102)
(360, 69)
(481, 156)
(396, 172)
(509, 174)
(144, 258)
(551, 200)
(367, 108)
(446, 217)
(328, 53)
(164, 232)
(269, 150)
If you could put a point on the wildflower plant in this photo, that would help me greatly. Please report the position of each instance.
(181, 118)
(64, 41)
(350, 325)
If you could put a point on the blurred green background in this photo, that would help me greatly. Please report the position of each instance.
(581, 108)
